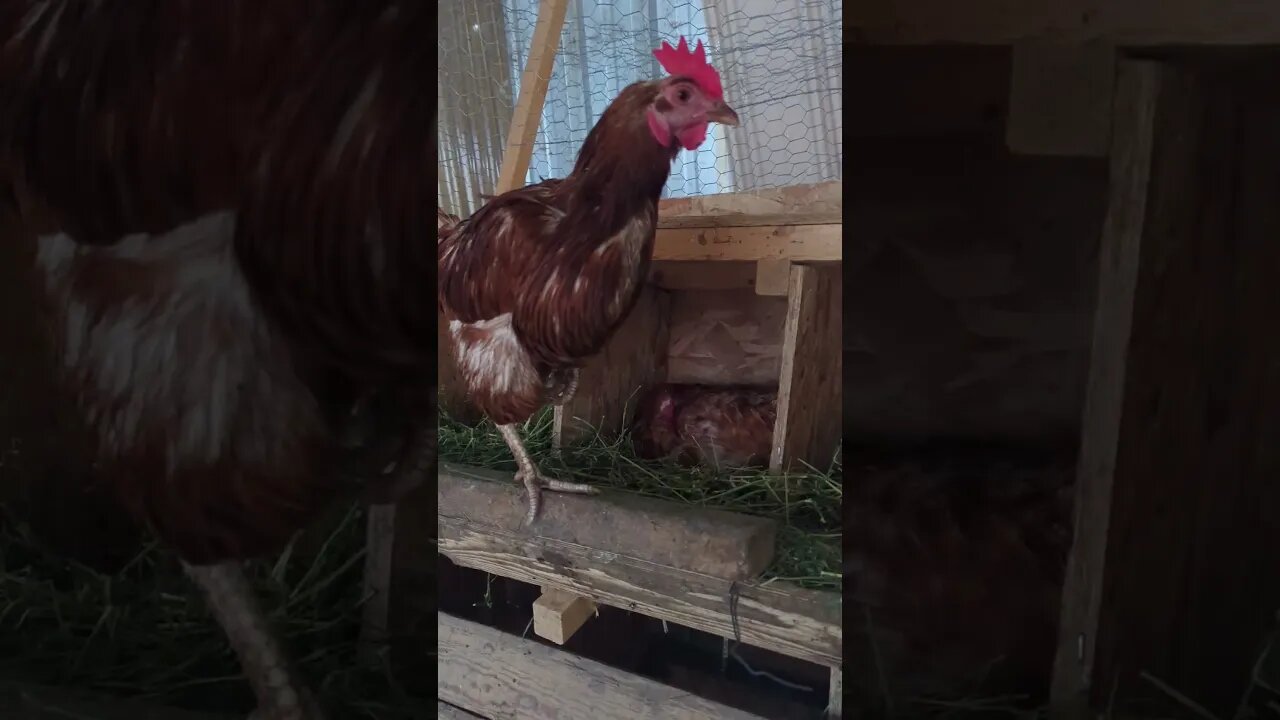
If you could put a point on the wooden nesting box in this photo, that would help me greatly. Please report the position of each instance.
(745, 289)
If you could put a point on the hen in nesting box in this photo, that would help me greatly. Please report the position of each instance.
(720, 427)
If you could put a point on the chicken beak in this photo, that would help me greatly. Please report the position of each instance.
(723, 114)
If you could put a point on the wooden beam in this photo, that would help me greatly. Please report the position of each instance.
(557, 614)
(608, 385)
(776, 616)
(808, 428)
(1176, 495)
(503, 677)
(773, 277)
(380, 535)
(533, 93)
(710, 542)
(835, 695)
(799, 243)
(1135, 23)
(1060, 99)
(812, 204)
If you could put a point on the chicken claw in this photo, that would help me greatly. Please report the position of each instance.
(536, 482)
(533, 480)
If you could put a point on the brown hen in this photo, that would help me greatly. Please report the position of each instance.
(538, 279)
(719, 427)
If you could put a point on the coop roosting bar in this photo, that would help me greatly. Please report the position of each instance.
(749, 243)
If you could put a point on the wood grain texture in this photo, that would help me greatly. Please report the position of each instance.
(1060, 99)
(1131, 22)
(819, 243)
(709, 542)
(1174, 570)
(608, 384)
(810, 204)
(504, 677)
(445, 711)
(703, 275)
(808, 429)
(557, 615)
(799, 623)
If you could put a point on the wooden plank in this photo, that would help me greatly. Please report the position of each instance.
(380, 535)
(1176, 499)
(504, 677)
(711, 542)
(445, 711)
(1127, 23)
(776, 616)
(808, 426)
(811, 204)
(533, 92)
(557, 614)
(835, 695)
(799, 243)
(773, 277)
(1060, 99)
(610, 381)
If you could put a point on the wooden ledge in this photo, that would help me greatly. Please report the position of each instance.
(812, 204)
(498, 675)
(711, 542)
(804, 624)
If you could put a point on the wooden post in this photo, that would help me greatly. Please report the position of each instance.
(515, 167)
(808, 427)
(1172, 574)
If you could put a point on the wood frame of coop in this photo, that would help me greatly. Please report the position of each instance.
(1172, 596)
(784, 243)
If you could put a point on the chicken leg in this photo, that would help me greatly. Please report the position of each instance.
(562, 385)
(533, 480)
(280, 694)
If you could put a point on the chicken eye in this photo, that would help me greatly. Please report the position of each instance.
(682, 95)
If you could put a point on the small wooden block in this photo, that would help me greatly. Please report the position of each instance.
(557, 614)
(773, 277)
(1060, 100)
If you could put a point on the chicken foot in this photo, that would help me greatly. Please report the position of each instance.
(280, 694)
(534, 481)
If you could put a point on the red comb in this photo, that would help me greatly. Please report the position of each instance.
(693, 65)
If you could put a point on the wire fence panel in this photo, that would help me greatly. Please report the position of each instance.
(779, 62)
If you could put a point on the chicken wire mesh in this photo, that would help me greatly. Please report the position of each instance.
(779, 61)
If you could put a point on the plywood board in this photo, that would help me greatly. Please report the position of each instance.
(725, 337)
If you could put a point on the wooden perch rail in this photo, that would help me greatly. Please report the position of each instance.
(800, 623)
(710, 542)
(497, 675)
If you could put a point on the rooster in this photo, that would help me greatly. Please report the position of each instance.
(538, 279)
(720, 427)
(237, 262)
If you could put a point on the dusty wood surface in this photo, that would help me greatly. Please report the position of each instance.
(557, 614)
(1177, 496)
(808, 428)
(609, 383)
(1121, 22)
(504, 677)
(812, 204)
(725, 337)
(29, 702)
(835, 695)
(533, 92)
(1060, 99)
(751, 243)
(445, 711)
(699, 540)
(799, 623)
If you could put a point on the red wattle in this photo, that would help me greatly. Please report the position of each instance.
(693, 136)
